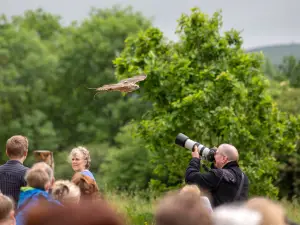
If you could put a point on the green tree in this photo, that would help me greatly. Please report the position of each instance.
(207, 87)
(86, 54)
(127, 168)
(26, 68)
(290, 69)
(46, 25)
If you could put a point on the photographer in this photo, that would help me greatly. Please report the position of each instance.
(225, 181)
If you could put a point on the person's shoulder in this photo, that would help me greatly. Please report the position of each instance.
(88, 173)
(226, 174)
(216, 171)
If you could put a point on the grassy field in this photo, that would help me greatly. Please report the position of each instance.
(139, 211)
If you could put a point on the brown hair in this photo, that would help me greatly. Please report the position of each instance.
(88, 187)
(37, 178)
(271, 211)
(6, 206)
(87, 213)
(182, 209)
(16, 146)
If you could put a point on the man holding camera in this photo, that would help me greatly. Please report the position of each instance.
(225, 181)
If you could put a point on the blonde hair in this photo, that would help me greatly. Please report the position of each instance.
(6, 207)
(191, 188)
(37, 178)
(84, 152)
(271, 211)
(66, 192)
(178, 209)
(44, 166)
(16, 146)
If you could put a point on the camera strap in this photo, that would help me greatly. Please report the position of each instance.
(240, 187)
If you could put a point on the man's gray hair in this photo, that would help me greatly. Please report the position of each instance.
(235, 215)
(44, 166)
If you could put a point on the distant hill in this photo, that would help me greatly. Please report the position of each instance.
(276, 52)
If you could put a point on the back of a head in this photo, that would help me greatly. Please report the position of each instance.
(37, 178)
(235, 215)
(88, 187)
(87, 213)
(271, 211)
(191, 188)
(194, 189)
(6, 210)
(44, 166)
(181, 209)
(16, 146)
(66, 192)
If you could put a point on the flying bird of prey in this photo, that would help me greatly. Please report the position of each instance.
(126, 85)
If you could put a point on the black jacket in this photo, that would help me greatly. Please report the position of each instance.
(223, 184)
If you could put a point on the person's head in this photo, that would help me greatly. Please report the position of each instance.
(224, 154)
(46, 167)
(191, 188)
(40, 175)
(182, 209)
(235, 215)
(271, 211)
(194, 189)
(86, 213)
(7, 214)
(80, 158)
(66, 192)
(88, 187)
(17, 148)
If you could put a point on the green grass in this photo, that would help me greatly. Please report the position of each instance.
(139, 211)
(136, 210)
(292, 210)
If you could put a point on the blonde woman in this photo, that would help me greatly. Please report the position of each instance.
(66, 192)
(81, 161)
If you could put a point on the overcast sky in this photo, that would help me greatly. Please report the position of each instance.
(263, 22)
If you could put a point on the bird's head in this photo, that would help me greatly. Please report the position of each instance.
(134, 87)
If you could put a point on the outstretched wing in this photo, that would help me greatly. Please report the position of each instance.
(111, 87)
(134, 79)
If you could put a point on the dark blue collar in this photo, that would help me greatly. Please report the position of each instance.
(13, 162)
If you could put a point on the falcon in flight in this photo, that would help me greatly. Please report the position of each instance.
(126, 85)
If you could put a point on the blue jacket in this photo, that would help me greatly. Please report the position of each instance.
(29, 197)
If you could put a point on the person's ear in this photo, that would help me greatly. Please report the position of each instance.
(12, 214)
(48, 186)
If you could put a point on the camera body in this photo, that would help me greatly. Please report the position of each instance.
(185, 142)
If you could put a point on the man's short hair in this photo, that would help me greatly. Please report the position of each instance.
(6, 206)
(16, 146)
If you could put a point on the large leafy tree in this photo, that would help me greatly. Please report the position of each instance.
(207, 87)
(26, 68)
(87, 51)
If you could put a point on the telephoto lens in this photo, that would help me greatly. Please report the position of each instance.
(185, 142)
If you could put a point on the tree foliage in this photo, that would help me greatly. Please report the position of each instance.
(46, 70)
(127, 167)
(26, 69)
(287, 70)
(204, 85)
(207, 87)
